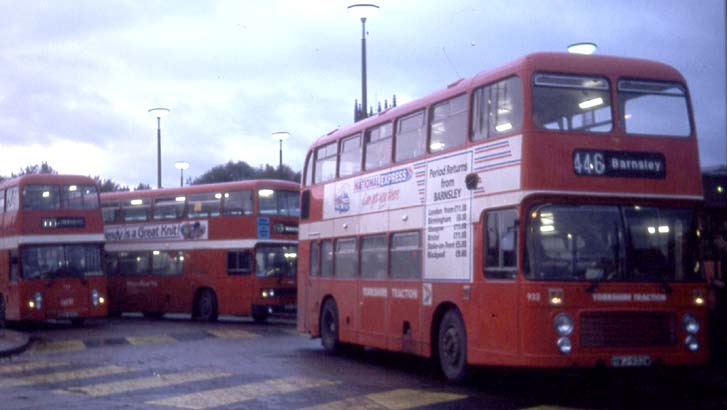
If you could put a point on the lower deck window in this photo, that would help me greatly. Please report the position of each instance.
(406, 255)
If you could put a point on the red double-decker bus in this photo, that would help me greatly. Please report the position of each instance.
(51, 247)
(208, 250)
(541, 214)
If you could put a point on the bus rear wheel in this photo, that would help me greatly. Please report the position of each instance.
(206, 307)
(329, 327)
(260, 314)
(452, 346)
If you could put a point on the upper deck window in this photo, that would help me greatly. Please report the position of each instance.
(110, 211)
(12, 200)
(309, 169)
(497, 109)
(275, 202)
(136, 210)
(169, 208)
(350, 162)
(80, 196)
(378, 146)
(203, 205)
(41, 197)
(571, 103)
(238, 203)
(411, 137)
(449, 124)
(325, 163)
(653, 108)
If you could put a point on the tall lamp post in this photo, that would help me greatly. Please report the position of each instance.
(363, 11)
(159, 112)
(181, 166)
(281, 136)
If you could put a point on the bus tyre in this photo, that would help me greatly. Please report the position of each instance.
(77, 322)
(329, 327)
(260, 314)
(207, 306)
(452, 346)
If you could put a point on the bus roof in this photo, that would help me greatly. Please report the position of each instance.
(603, 65)
(203, 188)
(47, 179)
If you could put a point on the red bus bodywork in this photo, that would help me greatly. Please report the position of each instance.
(51, 249)
(445, 198)
(205, 261)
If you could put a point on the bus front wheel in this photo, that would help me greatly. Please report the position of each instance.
(206, 308)
(452, 346)
(329, 326)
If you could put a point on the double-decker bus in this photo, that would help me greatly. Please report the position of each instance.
(51, 247)
(541, 214)
(228, 248)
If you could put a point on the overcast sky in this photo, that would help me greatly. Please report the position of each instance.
(77, 77)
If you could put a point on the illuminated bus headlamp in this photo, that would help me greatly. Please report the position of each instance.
(691, 324)
(96, 298)
(36, 302)
(699, 298)
(563, 324)
(555, 297)
(691, 343)
(564, 345)
(268, 293)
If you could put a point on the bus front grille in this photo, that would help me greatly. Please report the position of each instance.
(627, 329)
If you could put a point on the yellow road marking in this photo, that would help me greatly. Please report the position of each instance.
(232, 334)
(402, 399)
(151, 339)
(61, 345)
(221, 397)
(104, 389)
(63, 376)
(22, 367)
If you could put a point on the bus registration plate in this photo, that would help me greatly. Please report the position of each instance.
(631, 361)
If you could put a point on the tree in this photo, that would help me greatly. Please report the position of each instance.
(43, 168)
(241, 170)
(142, 186)
(108, 185)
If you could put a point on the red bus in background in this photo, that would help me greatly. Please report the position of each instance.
(542, 214)
(208, 250)
(51, 247)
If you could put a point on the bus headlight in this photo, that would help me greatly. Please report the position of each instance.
(96, 298)
(691, 343)
(564, 345)
(36, 302)
(691, 324)
(268, 293)
(563, 324)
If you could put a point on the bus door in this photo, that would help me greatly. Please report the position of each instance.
(497, 295)
(13, 304)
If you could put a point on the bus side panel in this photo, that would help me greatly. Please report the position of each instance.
(303, 288)
(373, 313)
(346, 294)
(403, 313)
(492, 324)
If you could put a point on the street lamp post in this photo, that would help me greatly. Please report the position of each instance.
(159, 112)
(363, 11)
(281, 136)
(181, 166)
